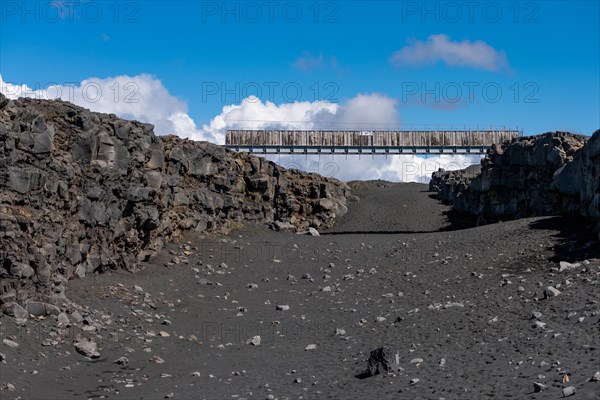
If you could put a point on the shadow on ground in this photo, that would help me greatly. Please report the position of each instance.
(577, 239)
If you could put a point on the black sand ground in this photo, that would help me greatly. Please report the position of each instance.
(399, 274)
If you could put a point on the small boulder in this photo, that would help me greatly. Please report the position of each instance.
(76, 316)
(10, 343)
(13, 309)
(382, 360)
(63, 319)
(568, 391)
(565, 266)
(21, 270)
(39, 309)
(87, 348)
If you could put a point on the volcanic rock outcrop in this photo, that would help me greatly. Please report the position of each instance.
(550, 174)
(82, 192)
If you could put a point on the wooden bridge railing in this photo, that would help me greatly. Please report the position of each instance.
(331, 139)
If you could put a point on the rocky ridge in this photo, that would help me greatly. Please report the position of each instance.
(83, 192)
(555, 173)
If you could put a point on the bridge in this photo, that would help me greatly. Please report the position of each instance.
(367, 142)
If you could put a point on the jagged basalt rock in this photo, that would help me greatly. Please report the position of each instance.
(450, 185)
(556, 173)
(83, 192)
(382, 360)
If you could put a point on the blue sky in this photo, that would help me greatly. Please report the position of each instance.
(531, 64)
(211, 54)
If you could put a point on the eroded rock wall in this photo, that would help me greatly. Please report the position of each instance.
(83, 192)
(549, 174)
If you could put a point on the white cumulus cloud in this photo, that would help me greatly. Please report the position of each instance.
(477, 54)
(396, 168)
(364, 111)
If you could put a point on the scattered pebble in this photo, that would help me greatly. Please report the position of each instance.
(568, 391)
(157, 360)
(254, 341)
(539, 324)
(551, 292)
(9, 386)
(10, 343)
(122, 361)
(538, 387)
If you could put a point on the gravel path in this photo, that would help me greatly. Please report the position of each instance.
(456, 305)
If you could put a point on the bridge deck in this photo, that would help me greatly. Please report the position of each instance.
(366, 142)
